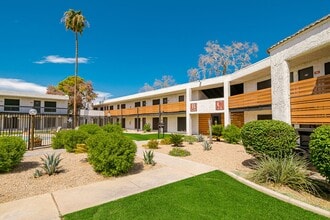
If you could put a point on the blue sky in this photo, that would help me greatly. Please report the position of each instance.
(131, 42)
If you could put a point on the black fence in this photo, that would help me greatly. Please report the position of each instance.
(42, 126)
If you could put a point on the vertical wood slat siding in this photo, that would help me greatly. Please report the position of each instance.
(203, 122)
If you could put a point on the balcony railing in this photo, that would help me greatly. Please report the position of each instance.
(26, 109)
(153, 109)
(251, 99)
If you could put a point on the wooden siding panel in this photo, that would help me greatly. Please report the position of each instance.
(251, 99)
(203, 121)
(237, 118)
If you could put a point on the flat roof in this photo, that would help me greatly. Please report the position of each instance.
(33, 95)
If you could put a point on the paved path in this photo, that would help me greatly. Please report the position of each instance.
(53, 205)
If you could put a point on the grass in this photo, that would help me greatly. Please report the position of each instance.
(213, 195)
(145, 137)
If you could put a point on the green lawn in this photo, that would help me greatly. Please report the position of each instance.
(144, 137)
(208, 196)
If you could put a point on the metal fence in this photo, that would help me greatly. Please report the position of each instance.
(42, 126)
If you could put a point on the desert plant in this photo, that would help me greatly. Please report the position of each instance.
(217, 131)
(111, 154)
(113, 128)
(290, 171)
(81, 148)
(37, 141)
(152, 144)
(179, 152)
(268, 138)
(200, 138)
(12, 150)
(165, 141)
(50, 163)
(190, 139)
(147, 127)
(148, 157)
(176, 139)
(319, 147)
(37, 173)
(206, 145)
(232, 134)
(90, 128)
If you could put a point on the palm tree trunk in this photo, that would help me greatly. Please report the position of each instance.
(75, 86)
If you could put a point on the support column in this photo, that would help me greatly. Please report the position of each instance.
(226, 94)
(280, 79)
(188, 115)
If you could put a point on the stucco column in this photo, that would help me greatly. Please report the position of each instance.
(280, 79)
(188, 115)
(226, 94)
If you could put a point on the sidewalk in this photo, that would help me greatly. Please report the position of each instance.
(53, 205)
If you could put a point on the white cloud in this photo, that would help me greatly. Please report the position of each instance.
(58, 59)
(101, 97)
(21, 86)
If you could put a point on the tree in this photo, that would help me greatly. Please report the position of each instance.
(165, 81)
(76, 22)
(221, 60)
(85, 91)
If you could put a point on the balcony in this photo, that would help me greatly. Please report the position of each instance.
(153, 109)
(251, 99)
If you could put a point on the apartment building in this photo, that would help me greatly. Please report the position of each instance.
(292, 85)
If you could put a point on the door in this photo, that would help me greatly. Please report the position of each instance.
(165, 124)
(123, 121)
(181, 123)
(155, 122)
(137, 123)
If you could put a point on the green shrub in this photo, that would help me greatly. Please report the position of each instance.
(74, 137)
(165, 141)
(58, 141)
(268, 138)
(176, 139)
(232, 134)
(90, 128)
(217, 131)
(50, 164)
(148, 157)
(113, 128)
(179, 152)
(147, 127)
(190, 139)
(206, 145)
(12, 150)
(81, 148)
(152, 144)
(290, 171)
(319, 147)
(111, 154)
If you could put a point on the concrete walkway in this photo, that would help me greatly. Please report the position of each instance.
(53, 205)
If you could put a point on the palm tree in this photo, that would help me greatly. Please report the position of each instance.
(76, 22)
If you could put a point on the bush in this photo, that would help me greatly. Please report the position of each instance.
(176, 139)
(113, 128)
(152, 144)
(319, 147)
(81, 148)
(12, 150)
(290, 171)
(112, 154)
(268, 138)
(69, 139)
(90, 128)
(232, 134)
(190, 139)
(217, 131)
(165, 141)
(147, 127)
(179, 152)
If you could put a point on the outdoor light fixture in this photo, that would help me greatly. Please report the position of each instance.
(32, 113)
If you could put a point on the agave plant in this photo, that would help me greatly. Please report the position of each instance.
(50, 164)
(148, 157)
(207, 145)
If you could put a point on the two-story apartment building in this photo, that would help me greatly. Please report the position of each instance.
(292, 85)
(14, 105)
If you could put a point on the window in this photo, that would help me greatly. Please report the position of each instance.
(164, 100)
(111, 107)
(264, 84)
(264, 117)
(237, 89)
(50, 106)
(118, 106)
(122, 106)
(156, 102)
(327, 68)
(306, 73)
(11, 105)
(181, 98)
(137, 104)
(144, 103)
(37, 105)
(291, 77)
